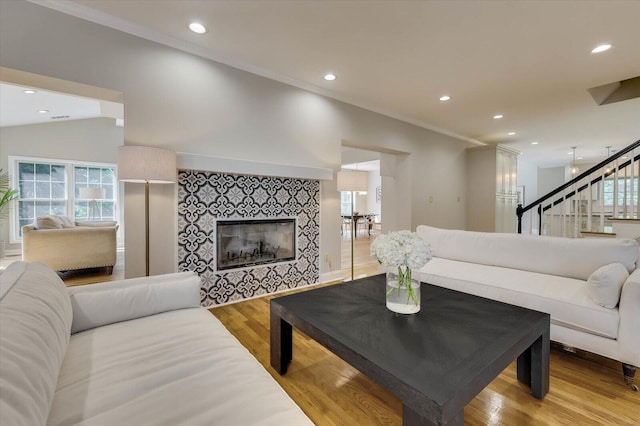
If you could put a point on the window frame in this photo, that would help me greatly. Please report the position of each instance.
(70, 198)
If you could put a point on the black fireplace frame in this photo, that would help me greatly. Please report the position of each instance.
(254, 259)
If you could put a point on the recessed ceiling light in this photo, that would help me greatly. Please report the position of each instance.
(445, 98)
(579, 158)
(511, 133)
(330, 77)
(197, 28)
(30, 91)
(570, 152)
(535, 143)
(498, 116)
(43, 111)
(601, 48)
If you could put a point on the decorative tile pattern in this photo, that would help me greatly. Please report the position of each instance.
(204, 197)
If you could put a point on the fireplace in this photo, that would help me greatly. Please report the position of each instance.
(250, 242)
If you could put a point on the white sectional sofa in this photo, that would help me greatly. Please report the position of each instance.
(571, 279)
(131, 352)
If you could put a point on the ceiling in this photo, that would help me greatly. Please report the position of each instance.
(43, 106)
(530, 61)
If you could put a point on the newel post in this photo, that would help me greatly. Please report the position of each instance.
(519, 213)
(540, 219)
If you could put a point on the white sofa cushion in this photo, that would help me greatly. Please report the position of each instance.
(35, 321)
(605, 283)
(567, 300)
(567, 257)
(107, 303)
(193, 372)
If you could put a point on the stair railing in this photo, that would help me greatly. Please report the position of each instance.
(579, 185)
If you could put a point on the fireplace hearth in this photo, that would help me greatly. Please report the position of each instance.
(250, 242)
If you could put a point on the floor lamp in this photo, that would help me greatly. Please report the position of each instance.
(92, 194)
(145, 164)
(352, 181)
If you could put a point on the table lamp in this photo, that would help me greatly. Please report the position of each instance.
(92, 194)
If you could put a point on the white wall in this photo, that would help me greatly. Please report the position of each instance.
(549, 178)
(94, 140)
(190, 104)
(375, 181)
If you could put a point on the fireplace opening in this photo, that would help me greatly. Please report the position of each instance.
(250, 242)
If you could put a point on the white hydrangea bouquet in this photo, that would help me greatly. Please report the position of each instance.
(406, 251)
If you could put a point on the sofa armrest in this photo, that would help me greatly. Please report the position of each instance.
(95, 305)
(629, 308)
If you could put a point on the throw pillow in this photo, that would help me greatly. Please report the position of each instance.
(66, 221)
(106, 305)
(48, 222)
(605, 284)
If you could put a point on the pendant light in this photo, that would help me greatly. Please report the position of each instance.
(607, 170)
(574, 168)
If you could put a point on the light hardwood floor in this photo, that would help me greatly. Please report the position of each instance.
(364, 264)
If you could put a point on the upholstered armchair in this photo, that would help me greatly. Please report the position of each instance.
(64, 245)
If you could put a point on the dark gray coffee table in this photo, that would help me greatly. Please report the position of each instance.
(435, 361)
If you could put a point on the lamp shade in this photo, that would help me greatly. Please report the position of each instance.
(146, 164)
(352, 180)
(92, 193)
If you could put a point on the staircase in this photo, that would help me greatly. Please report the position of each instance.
(592, 203)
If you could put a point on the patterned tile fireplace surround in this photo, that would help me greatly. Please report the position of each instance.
(204, 197)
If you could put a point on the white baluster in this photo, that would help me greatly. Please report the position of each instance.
(601, 188)
(615, 190)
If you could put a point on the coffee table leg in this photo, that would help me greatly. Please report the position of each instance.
(281, 343)
(533, 366)
(411, 418)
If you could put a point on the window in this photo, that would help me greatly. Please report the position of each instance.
(42, 190)
(94, 177)
(345, 203)
(51, 187)
(608, 191)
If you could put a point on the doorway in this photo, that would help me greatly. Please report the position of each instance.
(361, 215)
(72, 131)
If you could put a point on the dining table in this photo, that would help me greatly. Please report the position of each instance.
(355, 218)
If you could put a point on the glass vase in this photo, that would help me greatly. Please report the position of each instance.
(402, 291)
